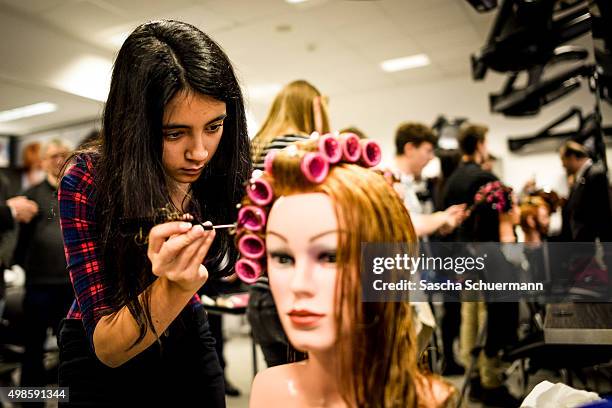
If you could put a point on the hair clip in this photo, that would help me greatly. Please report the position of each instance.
(314, 167)
(141, 239)
(260, 192)
(256, 174)
(247, 270)
(251, 246)
(371, 153)
(251, 217)
(351, 149)
(330, 148)
(269, 160)
(291, 150)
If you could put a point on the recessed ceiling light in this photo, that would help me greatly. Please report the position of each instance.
(399, 64)
(296, 1)
(89, 76)
(27, 111)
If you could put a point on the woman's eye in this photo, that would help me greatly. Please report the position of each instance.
(328, 257)
(173, 135)
(215, 127)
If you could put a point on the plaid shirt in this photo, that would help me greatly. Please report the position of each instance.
(82, 248)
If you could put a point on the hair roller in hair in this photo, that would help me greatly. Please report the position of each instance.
(330, 147)
(315, 167)
(251, 218)
(251, 246)
(260, 192)
(248, 270)
(351, 149)
(268, 160)
(371, 153)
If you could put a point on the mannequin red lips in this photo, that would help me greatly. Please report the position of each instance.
(304, 318)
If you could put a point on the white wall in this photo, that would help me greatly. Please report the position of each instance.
(379, 112)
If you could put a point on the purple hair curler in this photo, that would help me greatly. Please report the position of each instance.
(247, 270)
(268, 160)
(315, 167)
(330, 148)
(251, 217)
(251, 246)
(260, 192)
(351, 149)
(371, 153)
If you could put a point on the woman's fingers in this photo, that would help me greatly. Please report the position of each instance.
(194, 255)
(172, 248)
(203, 250)
(160, 233)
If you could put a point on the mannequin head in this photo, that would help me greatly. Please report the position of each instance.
(494, 208)
(536, 210)
(313, 237)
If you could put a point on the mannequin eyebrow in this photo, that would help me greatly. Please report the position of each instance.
(181, 126)
(321, 235)
(313, 238)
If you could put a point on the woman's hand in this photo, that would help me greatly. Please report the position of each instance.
(177, 250)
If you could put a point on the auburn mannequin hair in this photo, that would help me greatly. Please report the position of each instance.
(378, 359)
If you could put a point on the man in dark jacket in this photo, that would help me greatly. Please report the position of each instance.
(40, 251)
(587, 215)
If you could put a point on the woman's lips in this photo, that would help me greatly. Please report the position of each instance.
(304, 318)
(195, 170)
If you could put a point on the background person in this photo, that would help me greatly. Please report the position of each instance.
(40, 251)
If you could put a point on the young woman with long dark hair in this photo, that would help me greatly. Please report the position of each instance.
(173, 138)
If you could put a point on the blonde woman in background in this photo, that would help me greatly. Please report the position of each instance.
(298, 110)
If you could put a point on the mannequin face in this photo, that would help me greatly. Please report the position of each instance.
(302, 241)
(515, 211)
(543, 218)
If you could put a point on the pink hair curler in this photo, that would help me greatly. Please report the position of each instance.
(371, 153)
(251, 246)
(315, 167)
(260, 192)
(251, 217)
(330, 148)
(268, 160)
(351, 149)
(247, 270)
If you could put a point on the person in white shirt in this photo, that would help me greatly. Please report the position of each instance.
(415, 143)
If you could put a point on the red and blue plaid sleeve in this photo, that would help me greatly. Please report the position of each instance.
(81, 245)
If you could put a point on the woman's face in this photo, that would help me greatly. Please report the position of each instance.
(192, 129)
(302, 241)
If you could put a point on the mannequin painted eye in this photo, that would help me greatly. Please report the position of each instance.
(328, 257)
(281, 258)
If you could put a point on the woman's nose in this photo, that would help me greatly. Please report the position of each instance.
(197, 150)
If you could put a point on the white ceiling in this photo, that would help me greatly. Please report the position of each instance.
(335, 44)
